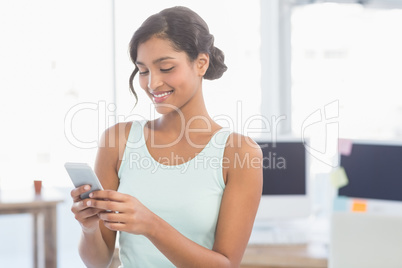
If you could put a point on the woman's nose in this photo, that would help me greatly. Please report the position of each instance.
(154, 81)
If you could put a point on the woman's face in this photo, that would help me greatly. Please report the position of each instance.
(166, 75)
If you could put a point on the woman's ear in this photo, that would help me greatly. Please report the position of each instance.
(202, 63)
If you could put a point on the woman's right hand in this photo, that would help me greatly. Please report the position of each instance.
(86, 216)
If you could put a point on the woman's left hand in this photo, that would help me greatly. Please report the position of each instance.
(122, 212)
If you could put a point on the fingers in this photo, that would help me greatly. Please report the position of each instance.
(86, 216)
(104, 205)
(109, 200)
(76, 192)
(113, 220)
(115, 226)
(82, 211)
(110, 216)
(110, 195)
(99, 200)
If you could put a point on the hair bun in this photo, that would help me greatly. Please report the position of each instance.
(216, 64)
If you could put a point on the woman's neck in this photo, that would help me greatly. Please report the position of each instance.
(192, 118)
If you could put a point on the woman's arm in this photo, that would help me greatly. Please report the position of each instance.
(98, 242)
(238, 208)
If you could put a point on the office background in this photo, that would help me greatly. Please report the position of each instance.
(64, 71)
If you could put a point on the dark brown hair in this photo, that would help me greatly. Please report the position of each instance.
(187, 31)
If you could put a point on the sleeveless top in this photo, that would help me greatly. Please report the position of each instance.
(187, 196)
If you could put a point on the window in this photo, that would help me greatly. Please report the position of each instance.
(345, 62)
(351, 54)
(52, 58)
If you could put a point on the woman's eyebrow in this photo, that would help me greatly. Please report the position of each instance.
(155, 61)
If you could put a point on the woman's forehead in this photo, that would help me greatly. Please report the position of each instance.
(156, 49)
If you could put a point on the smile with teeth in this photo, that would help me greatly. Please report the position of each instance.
(162, 94)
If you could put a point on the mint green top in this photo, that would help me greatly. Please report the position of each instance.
(187, 196)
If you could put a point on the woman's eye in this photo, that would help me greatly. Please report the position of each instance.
(167, 70)
(143, 72)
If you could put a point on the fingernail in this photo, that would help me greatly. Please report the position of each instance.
(88, 203)
(86, 187)
(91, 195)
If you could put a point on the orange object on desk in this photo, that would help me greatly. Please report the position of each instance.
(359, 206)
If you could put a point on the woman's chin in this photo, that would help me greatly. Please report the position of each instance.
(164, 108)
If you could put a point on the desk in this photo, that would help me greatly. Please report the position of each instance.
(44, 211)
(313, 255)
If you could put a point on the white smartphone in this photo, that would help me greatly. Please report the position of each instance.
(82, 174)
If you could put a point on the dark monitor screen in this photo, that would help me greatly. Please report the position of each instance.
(284, 171)
(374, 172)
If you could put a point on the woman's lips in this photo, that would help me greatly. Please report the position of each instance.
(161, 96)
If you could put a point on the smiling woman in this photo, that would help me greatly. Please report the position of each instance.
(164, 76)
(53, 65)
(187, 211)
(194, 42)
(230, 100)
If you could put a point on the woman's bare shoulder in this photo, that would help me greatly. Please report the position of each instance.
(242, 157)
(112, 144)
(115, 134)
(241, 145)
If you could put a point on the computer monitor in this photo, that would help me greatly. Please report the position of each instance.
(285, 181)
(374, 171)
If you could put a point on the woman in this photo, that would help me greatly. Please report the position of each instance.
(181, 190)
